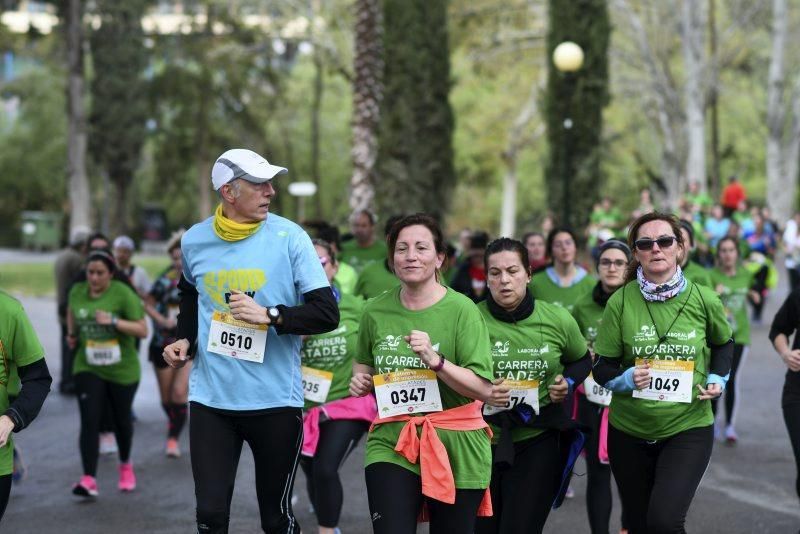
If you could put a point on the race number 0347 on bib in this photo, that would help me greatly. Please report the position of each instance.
(522, 392)
(407, 391)
(237, 339)
(670, 381)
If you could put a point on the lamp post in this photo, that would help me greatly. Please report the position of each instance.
(301, 190)
(568, 59)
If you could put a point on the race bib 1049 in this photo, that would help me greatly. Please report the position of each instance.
(237, 339)
(670, 381)
(522, 392)
(406, 392)
(316, 384)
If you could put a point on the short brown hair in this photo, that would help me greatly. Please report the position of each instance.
(633, 233)
(421, 219)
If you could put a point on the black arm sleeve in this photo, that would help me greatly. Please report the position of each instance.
(578, 370)
(36, 382)
(318, 314)
(606, 369)
(721, 358)
(786, 320)
(187, 318)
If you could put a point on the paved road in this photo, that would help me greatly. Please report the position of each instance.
(748, 488)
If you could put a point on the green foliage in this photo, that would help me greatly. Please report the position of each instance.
(415, 156)
(574, 163)
(118, 89)
(33, 155)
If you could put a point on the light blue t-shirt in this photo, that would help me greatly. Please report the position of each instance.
(276, 265)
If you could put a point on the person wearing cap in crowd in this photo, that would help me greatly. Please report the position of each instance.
(68, 265)
(691, 269)
(252, 284)
(123, 252)
(593, 400)
(364, 248)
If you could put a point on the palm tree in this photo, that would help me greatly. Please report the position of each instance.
(367, 95)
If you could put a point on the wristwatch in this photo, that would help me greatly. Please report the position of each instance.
(274, 314)
(114, 321)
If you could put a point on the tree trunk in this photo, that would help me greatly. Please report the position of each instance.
(79, 197)
(781, 146)
(316, 107)
(367, 95)
(692, 29)
(121, 212)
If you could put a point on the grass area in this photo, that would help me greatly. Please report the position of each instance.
(37, 279)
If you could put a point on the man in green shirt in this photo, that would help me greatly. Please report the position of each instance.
(19, 347)
(364, 248)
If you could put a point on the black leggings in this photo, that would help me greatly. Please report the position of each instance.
(94, 395)
(523, 495)
(791, 417)
(215, 440)
(598, 475)
(337, 440)
(732, 387)
(657, 479)
(395, 499)
(5, 492)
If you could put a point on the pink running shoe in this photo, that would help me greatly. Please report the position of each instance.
(173, 449)
(86, 487)
(127, 480)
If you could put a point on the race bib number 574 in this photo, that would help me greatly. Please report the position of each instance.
(406, 392)
(670, 381)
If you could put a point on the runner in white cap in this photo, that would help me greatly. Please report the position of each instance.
(252, 284)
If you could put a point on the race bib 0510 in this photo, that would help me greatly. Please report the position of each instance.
(237, 339)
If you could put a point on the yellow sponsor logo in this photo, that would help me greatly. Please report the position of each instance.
(219, 284)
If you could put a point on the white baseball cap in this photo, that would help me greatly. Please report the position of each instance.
(243, 163)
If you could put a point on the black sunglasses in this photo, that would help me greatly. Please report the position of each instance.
(662, 242)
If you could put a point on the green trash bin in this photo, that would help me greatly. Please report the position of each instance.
(41, 230)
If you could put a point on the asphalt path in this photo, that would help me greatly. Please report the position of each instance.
(748, 488)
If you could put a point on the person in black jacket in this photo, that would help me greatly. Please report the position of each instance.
(785, 324)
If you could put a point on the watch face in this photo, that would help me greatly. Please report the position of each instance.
(273, 313)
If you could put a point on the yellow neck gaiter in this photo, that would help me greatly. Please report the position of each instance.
(229, 230)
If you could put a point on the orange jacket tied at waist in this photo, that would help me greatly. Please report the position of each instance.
(435, 470)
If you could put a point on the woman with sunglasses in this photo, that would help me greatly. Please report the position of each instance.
(734, 284)
(539, 354)
(593, 399)
(333, 422)
(564, 282)
(664, 348)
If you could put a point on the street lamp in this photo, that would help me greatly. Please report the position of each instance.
(568, 59)
(302, 190)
